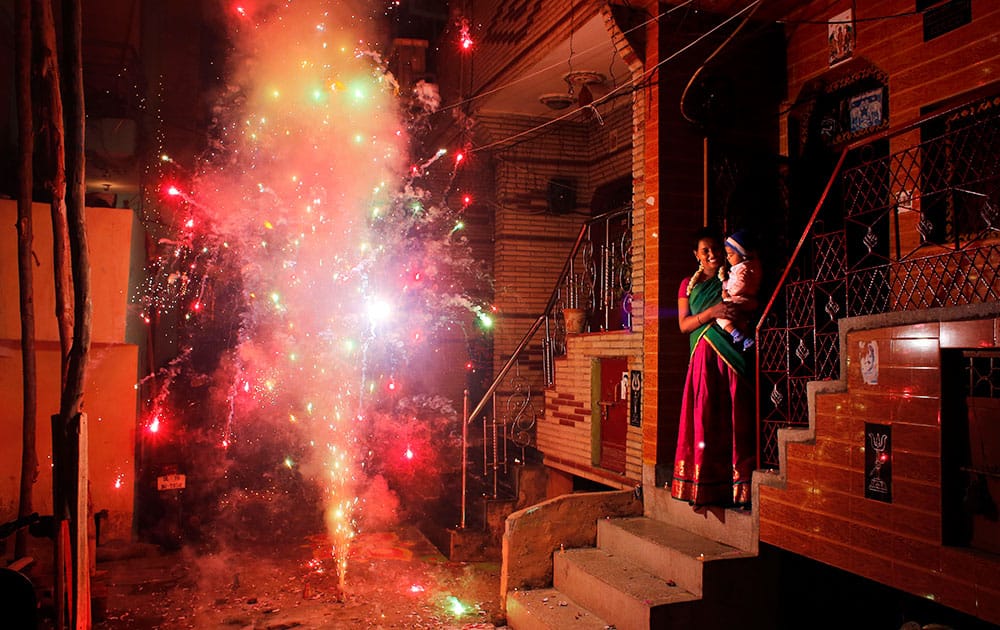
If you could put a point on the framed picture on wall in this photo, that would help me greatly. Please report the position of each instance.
(840, 33)
(865, 110)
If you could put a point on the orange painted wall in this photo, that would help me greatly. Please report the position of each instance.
(110, 405)
(109, 231)
(109, 394)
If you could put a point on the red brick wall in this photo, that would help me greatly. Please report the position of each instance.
(920, 73)
(531, 243)
(822, 512)
(531, 248)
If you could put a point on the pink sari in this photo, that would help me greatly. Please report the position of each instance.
(716, 441)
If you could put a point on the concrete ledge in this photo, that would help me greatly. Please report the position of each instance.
(533, 534)
(545, 609)
(627, 596)
(668, 552)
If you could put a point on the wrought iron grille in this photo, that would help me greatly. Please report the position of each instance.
(597, 277)
(982, 371)
(905, 230)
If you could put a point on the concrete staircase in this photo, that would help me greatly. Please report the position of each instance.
(666, 569)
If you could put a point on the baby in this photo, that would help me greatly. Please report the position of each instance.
(741, 286)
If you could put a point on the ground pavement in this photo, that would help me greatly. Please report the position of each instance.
(395, 579)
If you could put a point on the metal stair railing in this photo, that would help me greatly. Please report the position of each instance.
(571, 289)
(908, 220)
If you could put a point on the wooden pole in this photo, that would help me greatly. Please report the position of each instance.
(25, 236)
(70, 409)
(53, 123)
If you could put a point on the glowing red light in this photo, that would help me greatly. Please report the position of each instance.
(392, 386)
(241, 11)
(189, 223)
(408, 454)
(154, 426)
(459, 157)
(196, 306)
(173, 191)
(469, 365)
(464, 37)
(467, 199)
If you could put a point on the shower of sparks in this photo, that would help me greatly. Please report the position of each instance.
(295, 243)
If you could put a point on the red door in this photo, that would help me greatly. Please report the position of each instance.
(614, 414)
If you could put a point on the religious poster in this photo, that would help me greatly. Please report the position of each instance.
(878, 462)
(869, 362)
(866, 110)
(840, 32)
(635, 398)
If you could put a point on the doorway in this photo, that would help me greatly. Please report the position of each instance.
(610, 415)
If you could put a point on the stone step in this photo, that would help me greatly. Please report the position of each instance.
(736, 528)
(548, 609)
(668, 552)
(615, 589)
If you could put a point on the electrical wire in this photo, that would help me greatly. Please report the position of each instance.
(756, 5)
(876, 18)
(629, 84)
(514, 82)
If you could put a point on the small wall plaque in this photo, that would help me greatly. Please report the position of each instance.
(635, 398)
(878, 462)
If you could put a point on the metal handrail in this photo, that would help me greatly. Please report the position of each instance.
(553, 298)
(525, 340)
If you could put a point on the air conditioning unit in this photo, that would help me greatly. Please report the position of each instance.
(561, 195)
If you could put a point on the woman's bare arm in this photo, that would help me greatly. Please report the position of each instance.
(688, 323)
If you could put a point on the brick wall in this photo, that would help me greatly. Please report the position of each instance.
(920, 73)
(564, 434)
(531, 244)
(822, 512)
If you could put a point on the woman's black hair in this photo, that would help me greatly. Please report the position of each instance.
(706, 232)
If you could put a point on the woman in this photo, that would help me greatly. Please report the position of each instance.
(716, 440)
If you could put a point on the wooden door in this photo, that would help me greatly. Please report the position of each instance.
(613, 406)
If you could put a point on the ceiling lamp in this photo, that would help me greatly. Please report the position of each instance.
(580, 78)
(556, 100)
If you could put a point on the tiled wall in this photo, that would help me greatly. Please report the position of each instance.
(822, 512)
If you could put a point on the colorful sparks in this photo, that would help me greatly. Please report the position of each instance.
(307, 263)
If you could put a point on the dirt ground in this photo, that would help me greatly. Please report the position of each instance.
(395, 579)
